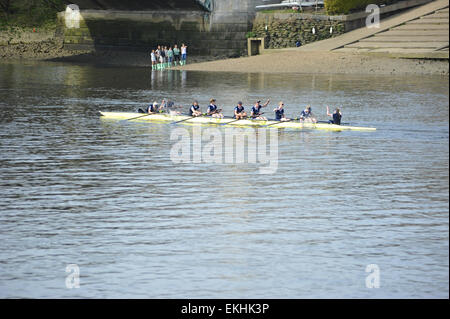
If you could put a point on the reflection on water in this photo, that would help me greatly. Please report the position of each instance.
(105, 195)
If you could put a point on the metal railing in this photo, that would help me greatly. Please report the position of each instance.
(293, 3)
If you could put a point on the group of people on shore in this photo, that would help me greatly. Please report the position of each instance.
(306, 116)
(165, 57)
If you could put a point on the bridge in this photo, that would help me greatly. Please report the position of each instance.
(143, 4)
(208, 27)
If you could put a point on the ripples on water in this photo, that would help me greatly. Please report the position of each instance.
(105, 195)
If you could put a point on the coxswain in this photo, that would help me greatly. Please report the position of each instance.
(195, 109)
(213, 110)
(279, 113)
(307, 116)
(256, 110)
(239, 112)
(337, 116)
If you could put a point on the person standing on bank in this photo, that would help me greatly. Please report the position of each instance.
(163, 57)
(170, 56)
(176, 54)
(153, 58)
(158, 57)
(183, 54)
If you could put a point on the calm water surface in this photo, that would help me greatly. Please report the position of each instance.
(105, 195)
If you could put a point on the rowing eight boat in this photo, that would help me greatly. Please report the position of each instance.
(242, 123)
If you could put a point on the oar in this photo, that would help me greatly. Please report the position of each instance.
(231, 122)
(138, 117)
(215, 112)
(279, 122)
(253, 117)
(191, 117)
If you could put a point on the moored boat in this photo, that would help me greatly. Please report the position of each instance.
(232, 122)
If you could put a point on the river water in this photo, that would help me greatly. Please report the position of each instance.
(106, 196)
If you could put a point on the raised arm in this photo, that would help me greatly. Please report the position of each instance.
(267, 103)
(328, 111)
(163, 105)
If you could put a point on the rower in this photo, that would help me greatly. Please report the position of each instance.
(239, 112)
(307, 116)
(337, 116)
(279, 113)
(152, 108)
(213, 110)
(256, 110)
(170, 108)
(194, 111)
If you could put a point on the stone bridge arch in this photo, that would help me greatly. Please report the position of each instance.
(208, 27)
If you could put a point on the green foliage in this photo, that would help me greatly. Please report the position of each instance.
(250, 34)
(335, 7)
(29, 13)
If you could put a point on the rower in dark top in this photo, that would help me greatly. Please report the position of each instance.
(213, 110)
(307, 116)
(195, 109)
(152, 108)
(256, 110)
(337, 116)
(239, 112)
(279, 113)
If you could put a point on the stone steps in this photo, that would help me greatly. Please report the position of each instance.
(407, 33)
(400, 53)
(405, 45)
(438, 15)
(388, 50)
(406, 38)
(427, 35)
(422, 27)
(429, 21)
(422, 32)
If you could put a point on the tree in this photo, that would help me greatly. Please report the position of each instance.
(5, 6)
(56, 5)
